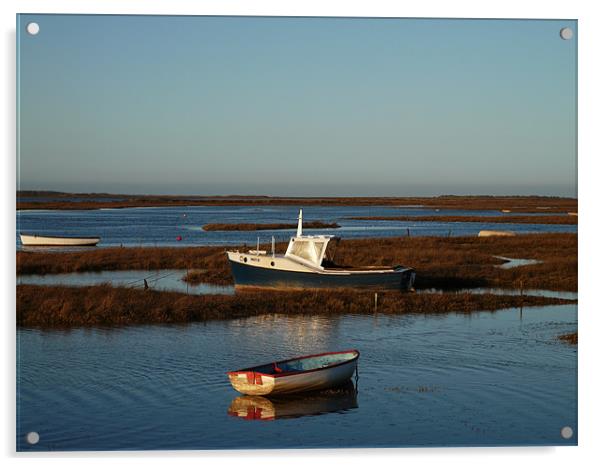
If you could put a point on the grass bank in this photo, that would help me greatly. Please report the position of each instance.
(67, 201)
(212, 260)
(570, 338)
(445, 263)
(532, 219)
(266, 226)
(64, 307)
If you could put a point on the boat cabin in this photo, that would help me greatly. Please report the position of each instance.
(308, 249)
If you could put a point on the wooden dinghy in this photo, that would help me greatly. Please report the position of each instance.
(36, 240)
(306, 373)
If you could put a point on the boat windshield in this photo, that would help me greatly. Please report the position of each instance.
(310, 250)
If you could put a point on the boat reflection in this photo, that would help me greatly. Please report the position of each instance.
(253, 408)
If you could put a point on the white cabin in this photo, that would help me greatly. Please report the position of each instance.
(308, 250)
(303, 252)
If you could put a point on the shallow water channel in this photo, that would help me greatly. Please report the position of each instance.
(487, 378)
(160, 280)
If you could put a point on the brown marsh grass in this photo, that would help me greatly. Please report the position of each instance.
(208, 258)
(44, 306)
(103, 200)
(469, 261)
(533, 219)
(445, 263)
(266, 226)
(195, 276)
(570, 338)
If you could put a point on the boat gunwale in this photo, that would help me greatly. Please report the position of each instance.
(288, 374)
(350, 270)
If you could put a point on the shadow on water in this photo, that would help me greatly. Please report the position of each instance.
(259, 408)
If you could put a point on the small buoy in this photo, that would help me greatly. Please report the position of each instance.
(178, 238)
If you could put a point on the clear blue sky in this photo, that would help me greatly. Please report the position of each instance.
(293, 106)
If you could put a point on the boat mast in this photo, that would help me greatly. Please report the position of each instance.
(300, 224)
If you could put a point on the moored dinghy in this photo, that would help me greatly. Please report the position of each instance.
(37, 240)
(306, 373)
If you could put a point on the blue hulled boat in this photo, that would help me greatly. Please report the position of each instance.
(308, 263)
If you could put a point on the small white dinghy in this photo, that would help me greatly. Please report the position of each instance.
(306, 373)
(35, 240)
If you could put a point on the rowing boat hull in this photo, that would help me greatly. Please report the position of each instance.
(35, 240)
(252, 382)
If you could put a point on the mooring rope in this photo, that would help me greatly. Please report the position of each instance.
(149, 279)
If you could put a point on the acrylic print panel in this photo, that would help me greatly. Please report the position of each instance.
(204, 201)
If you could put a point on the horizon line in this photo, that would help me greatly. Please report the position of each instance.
(103, 193)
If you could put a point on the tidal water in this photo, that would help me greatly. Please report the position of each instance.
(158, 280)
(487, 378)
(161, 226)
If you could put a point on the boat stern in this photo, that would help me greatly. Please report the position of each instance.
(408, 277)
(251, 383)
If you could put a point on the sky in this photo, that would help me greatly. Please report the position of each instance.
(296, 106)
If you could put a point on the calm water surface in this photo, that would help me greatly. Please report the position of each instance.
(159, 280)
(497, 378)
(160, 226)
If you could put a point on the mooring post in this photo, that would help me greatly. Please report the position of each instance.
(408, 231)
(521, 299)
(375, 301)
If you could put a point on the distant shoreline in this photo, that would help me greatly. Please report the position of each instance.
(48, 200)
(529, 219)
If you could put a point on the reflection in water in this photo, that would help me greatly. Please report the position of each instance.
(297, 332)
(253, 408)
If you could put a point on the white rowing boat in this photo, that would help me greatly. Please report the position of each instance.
(306, 373)
(36, 240)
